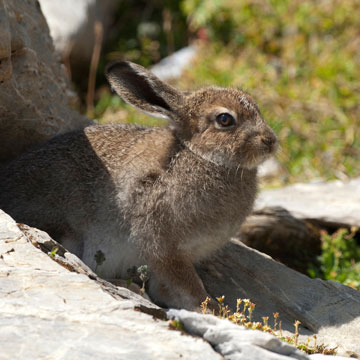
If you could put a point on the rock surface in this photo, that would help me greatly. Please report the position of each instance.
(34, 95)
(47, 311)
(334, 202)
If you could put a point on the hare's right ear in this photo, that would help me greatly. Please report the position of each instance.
(143, 90)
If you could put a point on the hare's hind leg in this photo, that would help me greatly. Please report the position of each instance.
(174, 283)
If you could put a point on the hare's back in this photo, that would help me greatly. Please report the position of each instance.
(74, 175)
(131, 151)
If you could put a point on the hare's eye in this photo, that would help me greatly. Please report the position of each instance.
(225, 120)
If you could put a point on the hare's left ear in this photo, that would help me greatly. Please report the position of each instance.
(143, 90)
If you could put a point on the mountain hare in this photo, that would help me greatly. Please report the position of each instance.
(162, 197)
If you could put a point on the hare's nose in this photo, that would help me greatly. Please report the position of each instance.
(268, 140)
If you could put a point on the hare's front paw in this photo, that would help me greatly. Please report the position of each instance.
(174, 283)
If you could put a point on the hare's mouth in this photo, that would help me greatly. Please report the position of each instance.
(253, 160)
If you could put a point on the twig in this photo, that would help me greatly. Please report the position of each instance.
(98, 32)
(167, 27)
(66, 59)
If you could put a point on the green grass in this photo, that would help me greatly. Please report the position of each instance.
(340, 258)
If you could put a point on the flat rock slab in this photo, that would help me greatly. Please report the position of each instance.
(335, 201)
(47, 311)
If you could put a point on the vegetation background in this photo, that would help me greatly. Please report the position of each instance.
(300, 60)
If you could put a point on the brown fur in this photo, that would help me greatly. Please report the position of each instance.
(165, 197)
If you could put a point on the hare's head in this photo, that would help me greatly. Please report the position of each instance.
(221, 125)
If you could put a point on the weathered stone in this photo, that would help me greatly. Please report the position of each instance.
(34, 95)
(47, 311)
(334, 202)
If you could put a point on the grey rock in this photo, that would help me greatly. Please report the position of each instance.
(334, 202)
(55, 311)
(35, 98)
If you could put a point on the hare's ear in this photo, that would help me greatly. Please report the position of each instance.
(143, 90)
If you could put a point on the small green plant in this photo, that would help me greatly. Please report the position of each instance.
(53, 251)
(99, 258)
(340, 258)
(143, 272)
(176, 325)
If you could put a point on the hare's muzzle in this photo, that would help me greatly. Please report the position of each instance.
(270, 141)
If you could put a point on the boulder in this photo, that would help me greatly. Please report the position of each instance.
(35, 98)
